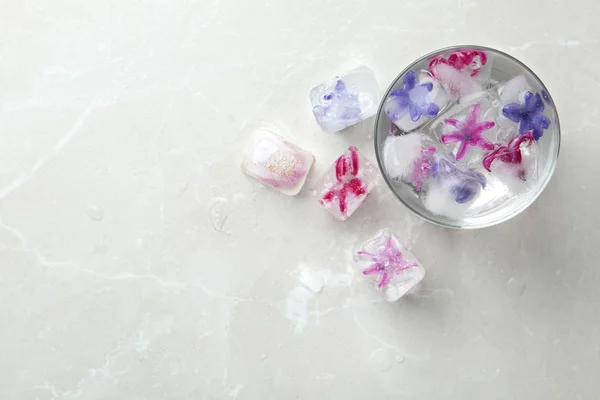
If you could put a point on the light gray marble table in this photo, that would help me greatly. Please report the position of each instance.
(137, 262)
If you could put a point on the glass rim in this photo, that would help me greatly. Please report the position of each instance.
(429, 218)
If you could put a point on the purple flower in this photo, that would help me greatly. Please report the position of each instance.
(387, 263)
(340, 103)
(529, 115)
(412, 99)
(464, 184)
(546, 97)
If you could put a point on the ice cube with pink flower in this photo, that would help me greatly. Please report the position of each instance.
(275, 162)
(393, 268)
(346, 184)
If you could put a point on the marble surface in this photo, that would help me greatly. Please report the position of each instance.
(137, 262)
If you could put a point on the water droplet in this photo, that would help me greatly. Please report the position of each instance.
(400, 358)
(218, 213)
(95, 212)
(516, 286)
(103, 247)
(381, 360)
(263, 357)
(312, 280)
(182, 187)
(238, 197)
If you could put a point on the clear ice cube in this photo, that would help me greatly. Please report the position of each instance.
(274, 161)
(440, 200)
(345, 100)
(346, 184)
(463, 72)
(395, 269)
(400, 152)
(515, 159)
(409, 157)
(457, 83)
(489, 106)
(469, 130)
(513, 90)
(452, 187)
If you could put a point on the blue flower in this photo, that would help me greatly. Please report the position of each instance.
(340, 104)
(529, 115)
(411, 98)
(464, 184)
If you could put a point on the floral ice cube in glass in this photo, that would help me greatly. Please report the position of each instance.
(513, 90)
(409, 158)
(462, 73)
(394, 269)
(346, 184)
(345, 100)
(452, 188)
(419, 99)
(274, 161)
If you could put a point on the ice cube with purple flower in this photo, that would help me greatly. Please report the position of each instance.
(419, 99)
(529, 114)
(512, 91)
(345, 100)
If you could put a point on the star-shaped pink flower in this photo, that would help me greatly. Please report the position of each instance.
(468, 132)
(387, 263)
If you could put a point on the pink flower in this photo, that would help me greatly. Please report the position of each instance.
(469, 61)
(346, 171)
(468, 132)
(387, 263)
(422, 167)
(511, 153)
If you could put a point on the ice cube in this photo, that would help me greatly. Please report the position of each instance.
(452, 188)
(489, 107)
(440, 200)
(408, 157)
(345, 100)
(457, 83)
(274, 161)
(395, 269)
(514, 159)
(400, 152)
(463, 72)
(346, 184)
(513, 90)
(419, 99)
(468, 132)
